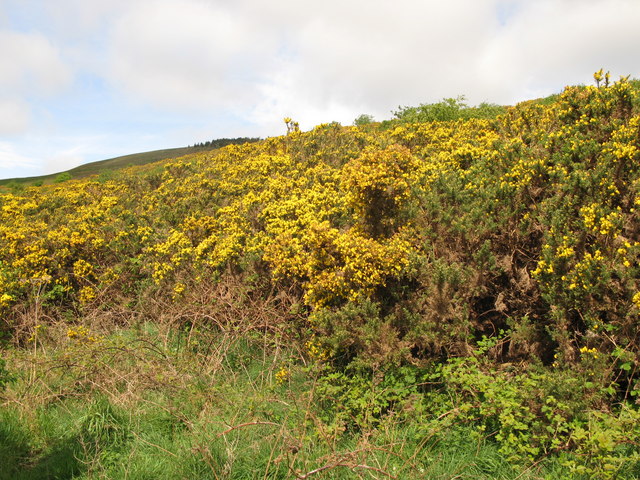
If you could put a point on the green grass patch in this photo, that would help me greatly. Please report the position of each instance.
(210, 407)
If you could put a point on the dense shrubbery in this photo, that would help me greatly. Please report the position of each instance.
(460, 264)
(446, 110)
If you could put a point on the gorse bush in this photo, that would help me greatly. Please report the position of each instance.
(385, 248)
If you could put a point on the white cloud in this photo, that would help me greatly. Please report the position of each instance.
(30, 65)
(337, 56)
(66, 152)
(242, 66)
(267, 59)
(13, 164)
(43, 154)
(371, 56)
(14, 116)
(548, 44)
(64, 160)
(30, 69)
(82, 19)
(413, 47)
(191, 54)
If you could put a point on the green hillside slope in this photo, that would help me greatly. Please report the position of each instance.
(101, 166)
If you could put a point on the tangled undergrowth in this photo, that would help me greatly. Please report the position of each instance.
(418, 285)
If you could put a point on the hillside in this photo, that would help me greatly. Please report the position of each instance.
(135, 159)
(411, 299)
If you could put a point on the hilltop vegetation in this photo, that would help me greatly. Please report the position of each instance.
(350, 302)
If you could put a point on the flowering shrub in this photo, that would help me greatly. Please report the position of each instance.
(405, 243)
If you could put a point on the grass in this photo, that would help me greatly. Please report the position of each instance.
(153, 402)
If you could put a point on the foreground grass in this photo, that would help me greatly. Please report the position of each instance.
(148, 402)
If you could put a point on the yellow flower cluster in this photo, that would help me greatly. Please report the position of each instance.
(338, 265)
(591, 351)
(585, 270)
(5, 300)
(316, 351)
(86, 294)
(82, 334)
(282, 375)
(636, 300)
(598, 222)
(344, 213)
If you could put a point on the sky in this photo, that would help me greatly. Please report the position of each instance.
(86, 80)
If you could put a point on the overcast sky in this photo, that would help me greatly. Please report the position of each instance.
(86, 80)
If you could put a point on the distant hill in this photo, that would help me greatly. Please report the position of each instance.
(95, 168)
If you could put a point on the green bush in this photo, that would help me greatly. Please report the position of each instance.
(5, 376)
(62, 177)
(446, 110)
(363, 120)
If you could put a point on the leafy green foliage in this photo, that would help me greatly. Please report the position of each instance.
(5, 376)
(209, 405)
(362, 120)
(470, 272)
(446, 110)
(63, 177)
